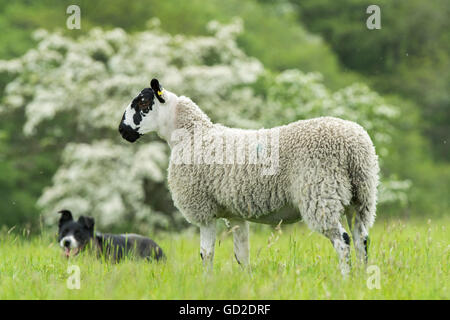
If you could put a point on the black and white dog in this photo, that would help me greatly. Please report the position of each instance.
(75, 236)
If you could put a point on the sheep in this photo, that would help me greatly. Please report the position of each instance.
(325, 167)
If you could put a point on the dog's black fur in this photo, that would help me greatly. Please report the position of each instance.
(75, 236)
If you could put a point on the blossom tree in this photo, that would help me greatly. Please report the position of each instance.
(75, 91)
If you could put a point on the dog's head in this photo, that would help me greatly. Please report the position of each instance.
(73, 235)
(140, 116)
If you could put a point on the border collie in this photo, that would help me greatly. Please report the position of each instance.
(75, 236)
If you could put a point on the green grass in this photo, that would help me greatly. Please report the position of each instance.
(412, 257)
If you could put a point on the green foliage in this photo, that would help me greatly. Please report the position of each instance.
(279, 42)
(26, 165)
(410, 157)
(409, 55)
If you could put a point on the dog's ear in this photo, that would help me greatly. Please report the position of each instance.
(87, 222)
(66, 216)
(156, 87)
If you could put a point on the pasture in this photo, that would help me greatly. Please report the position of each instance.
(291, 262)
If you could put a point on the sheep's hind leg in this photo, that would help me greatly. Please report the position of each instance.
(241, 241)
(361, 240)
(324, 216)
(207, 243)
(341, 243)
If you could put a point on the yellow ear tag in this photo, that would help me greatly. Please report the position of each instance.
(159, 93)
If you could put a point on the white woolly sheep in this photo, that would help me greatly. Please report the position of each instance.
(324, 167)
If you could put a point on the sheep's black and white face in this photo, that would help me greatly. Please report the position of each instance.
(139, 116)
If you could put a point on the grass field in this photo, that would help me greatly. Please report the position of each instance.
(412, 257)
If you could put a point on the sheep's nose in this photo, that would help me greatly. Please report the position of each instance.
(128, 133)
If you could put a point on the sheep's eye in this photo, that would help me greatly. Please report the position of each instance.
(143, 104)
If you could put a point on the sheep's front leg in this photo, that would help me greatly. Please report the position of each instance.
(207, 242)
(241, 241)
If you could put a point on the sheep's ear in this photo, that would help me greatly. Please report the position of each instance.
(66, 216)
(156, 87)
(87, 222)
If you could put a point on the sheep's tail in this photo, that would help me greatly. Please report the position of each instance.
(364, 173)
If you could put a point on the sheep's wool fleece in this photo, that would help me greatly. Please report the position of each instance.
(323, 165)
